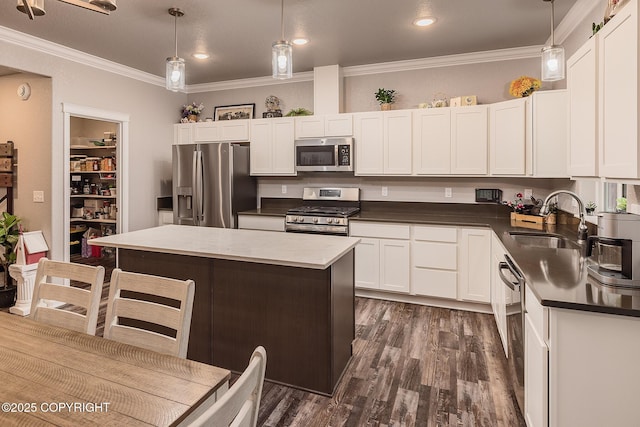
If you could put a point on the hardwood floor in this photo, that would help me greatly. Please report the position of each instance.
(412, 365)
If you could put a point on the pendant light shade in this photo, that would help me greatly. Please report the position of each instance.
(553, 64)
(36, 7)
(281, 60)
(175, 68)
(282, 53)
(109, 5)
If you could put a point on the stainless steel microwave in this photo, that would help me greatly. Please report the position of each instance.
(324, 155)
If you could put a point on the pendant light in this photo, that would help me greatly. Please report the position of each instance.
(31, 7)
(552, 57)
(282, 53)
(175, 80)
(109, 5)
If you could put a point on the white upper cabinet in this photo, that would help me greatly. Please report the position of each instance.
(618, 95)
(272, 147)
(582, 87)
(547, 134)
(226, 130)
(432, 141)
(469, 137)
(383, 143)
(182, 133)
(507, 137)
(326, 125)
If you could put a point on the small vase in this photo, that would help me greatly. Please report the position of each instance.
(192, 118)
(385, 106)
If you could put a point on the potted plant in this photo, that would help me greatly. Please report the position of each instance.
(299, 112)
(9, 235)
(590, 208)
(190, 112)
(385, 97)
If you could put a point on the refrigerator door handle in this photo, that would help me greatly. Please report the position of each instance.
(199, 187)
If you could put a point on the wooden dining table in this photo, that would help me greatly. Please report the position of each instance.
(51, 375)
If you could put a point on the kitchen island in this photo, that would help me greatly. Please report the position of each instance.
(291, 293)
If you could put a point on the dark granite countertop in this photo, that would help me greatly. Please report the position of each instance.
(557, 277)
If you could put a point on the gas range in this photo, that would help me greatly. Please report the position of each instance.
(327, 211)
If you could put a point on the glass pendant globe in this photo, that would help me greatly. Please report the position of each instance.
(553, 64)
(175, 74)
(281, 60)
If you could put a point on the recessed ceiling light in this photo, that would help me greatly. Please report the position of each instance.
(300, 41)
(424, 22)
(201, 55)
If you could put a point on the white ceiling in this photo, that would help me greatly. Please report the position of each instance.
(238, 33)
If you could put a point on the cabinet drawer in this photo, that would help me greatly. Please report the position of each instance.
(434, 255)
(257, 222)
(435, 234)
(203, 132)
(370, 229)
(435, 283)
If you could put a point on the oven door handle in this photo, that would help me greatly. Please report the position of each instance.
(514, 286)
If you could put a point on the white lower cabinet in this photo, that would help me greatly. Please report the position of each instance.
(498, 292)
(475, 265)
(261, 222)
(381, 256)
(434, 261)
(536, 375)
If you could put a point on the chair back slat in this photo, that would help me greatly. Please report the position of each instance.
(124, 307)
(45, 293)
(239, 406)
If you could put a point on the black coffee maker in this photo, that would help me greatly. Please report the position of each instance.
(615, 251)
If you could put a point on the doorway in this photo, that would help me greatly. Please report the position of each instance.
(95, 182)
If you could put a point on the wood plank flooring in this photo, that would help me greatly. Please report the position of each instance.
(412, 365)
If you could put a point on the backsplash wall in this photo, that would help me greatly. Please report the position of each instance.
(409, 189)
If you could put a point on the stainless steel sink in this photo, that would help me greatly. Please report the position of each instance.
(542, 240)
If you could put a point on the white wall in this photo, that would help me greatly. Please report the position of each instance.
(152, 110)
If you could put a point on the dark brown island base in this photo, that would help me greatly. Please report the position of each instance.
(302, 312)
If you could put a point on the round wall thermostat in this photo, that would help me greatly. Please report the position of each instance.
(24, 91)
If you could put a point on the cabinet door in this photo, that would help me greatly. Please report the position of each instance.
(469, 140)
(234, 130)
(369, 143)
(206, 132)
(547, 116)
(182, 134)
(261, 157)
(397, 143)
(338, 125)
(475, 265)
(309, 127)
(284, 155)
(507, 138)
(582, 86)
(618, 95)
(536, 376)
(432, 141)
(367, 264)
(394, 265)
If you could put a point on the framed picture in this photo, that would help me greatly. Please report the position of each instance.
(234, 112)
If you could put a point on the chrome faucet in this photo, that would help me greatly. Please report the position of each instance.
(582, 228)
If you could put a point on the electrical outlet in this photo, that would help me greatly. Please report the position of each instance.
(284, 189)
(38, 196)
(528, 193)
(448, 192)
(385, 191)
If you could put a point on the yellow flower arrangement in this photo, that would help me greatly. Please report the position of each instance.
(524, 86)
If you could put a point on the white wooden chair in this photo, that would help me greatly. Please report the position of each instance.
(239, 406)
(86, 299)
(136, 307)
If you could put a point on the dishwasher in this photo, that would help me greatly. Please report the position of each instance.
(515, 309)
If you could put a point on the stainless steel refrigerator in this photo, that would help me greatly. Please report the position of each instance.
(211, 184)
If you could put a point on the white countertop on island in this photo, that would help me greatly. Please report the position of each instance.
(266, 247)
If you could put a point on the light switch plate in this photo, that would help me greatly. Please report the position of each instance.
(528, 193)
(284, 189)
(385, 191)
(38, 196)
(447, 192)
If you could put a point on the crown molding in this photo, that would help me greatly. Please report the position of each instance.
(578, 12)
(40, 45)
(444, 61)
(306, 76)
